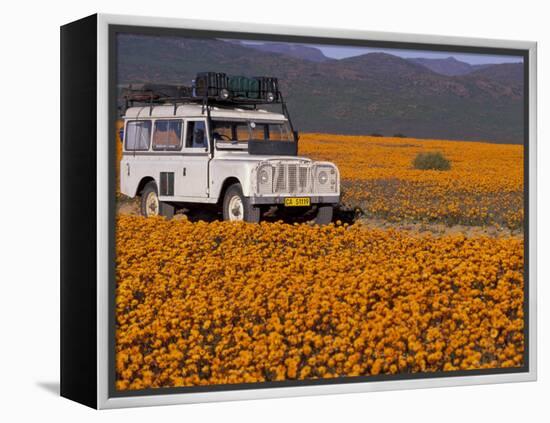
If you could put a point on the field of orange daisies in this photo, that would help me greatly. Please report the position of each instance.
(225, 302)
(483, 187)
(220, 303)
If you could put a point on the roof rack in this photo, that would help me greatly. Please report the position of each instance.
(209, 87)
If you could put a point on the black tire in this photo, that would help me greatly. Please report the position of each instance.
(324, 215)
(248, 212)
(162, 208)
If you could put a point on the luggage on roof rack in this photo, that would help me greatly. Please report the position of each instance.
(241, 86)
(155, 92)
(237, 88)
(209, 88)
(210, 84)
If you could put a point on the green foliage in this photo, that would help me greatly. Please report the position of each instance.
(431, 161)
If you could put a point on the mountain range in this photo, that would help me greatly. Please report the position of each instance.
(300, 51)
(447, 66)
(371, 93)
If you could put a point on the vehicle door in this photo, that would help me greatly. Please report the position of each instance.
(193, 176)
(164, 160)
(137, 141)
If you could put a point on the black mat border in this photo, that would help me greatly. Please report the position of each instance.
(78, 211)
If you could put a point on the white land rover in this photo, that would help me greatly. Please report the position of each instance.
(210, 143)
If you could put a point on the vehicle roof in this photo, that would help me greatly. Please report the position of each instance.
(195, 110)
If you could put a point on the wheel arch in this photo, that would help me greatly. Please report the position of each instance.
(144, 181)
(226, 184)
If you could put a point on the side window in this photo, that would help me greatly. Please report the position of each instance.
(196, 134)
(138, 135)
(167, 135)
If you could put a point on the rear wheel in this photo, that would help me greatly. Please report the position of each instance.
(236, 207)
(151, 205)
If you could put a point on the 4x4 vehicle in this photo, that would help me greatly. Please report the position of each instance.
(210, 143)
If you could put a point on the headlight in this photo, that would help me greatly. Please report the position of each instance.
(322, 177)
(264, 177)
(270, 97)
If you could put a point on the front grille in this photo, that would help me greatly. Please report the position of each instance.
(280, 179)
(292, 178)
(303, 178)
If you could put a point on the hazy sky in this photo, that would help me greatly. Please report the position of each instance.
(340, 52)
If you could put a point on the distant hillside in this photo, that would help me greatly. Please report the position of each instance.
(310, 54)
(372, 93)
(505, 73)
(448, 66)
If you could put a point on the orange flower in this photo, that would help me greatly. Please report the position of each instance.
(267, 306)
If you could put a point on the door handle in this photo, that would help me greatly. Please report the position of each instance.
(184, 171)
(128, 168)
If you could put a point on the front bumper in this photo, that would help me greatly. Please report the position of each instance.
(280, 199)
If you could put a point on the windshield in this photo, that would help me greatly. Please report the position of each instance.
(244, 131)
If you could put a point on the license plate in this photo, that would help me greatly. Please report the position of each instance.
(297, 202)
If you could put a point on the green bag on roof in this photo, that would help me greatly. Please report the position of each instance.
(241, 86)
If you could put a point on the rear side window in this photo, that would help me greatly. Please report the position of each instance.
(138, 135)
(167, 135)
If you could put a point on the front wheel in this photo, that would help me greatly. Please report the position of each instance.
(236, 207)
